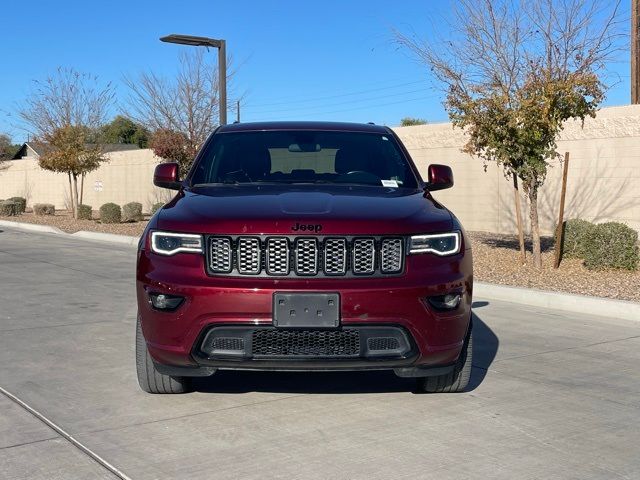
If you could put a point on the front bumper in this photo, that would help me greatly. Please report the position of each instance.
(175, 339)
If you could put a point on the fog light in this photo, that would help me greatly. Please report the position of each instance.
(163, 301)
(449, 301)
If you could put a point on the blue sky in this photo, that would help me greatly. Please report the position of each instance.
(329, 60)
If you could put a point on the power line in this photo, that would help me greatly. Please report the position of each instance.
(328, 97)
(367, 106)
(359, 100)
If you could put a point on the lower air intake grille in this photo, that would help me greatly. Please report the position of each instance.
(383, 343)
(310, 343)
(227, 343)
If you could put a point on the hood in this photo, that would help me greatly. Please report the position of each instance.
(302, 209)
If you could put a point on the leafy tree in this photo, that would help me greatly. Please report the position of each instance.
(66, 110)
(124, 130)
(515, 72)
(410, 121)
(174, 146)
(70, 153)
(7, 149)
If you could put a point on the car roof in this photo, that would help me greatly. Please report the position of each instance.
(326, 126)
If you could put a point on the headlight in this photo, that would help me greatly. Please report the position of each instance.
(440, 243)
(166, 243)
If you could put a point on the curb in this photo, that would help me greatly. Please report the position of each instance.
(567, 302)
(32, 227)
(107, 237)
(93, 236)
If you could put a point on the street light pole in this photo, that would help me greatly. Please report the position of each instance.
(221, 45)
(222, 69)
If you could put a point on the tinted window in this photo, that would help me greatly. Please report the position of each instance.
(304, 157)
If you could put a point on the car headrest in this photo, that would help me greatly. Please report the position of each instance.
(349, 159)
(254, 160)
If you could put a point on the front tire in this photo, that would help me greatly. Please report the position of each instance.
(149, 379)
(457, 379)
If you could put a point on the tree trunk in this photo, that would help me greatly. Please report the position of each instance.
(73, 210)
(516, 193)
(535, 227)
(81, 189)
(75, 196)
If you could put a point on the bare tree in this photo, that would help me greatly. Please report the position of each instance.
(66, 111)
(67, 98)
(187, 104)
(514, 71)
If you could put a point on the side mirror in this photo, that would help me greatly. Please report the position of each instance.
(440, 177)
(166, 176)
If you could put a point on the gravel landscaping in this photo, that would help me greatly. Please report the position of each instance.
(67, 223)
(496, 260)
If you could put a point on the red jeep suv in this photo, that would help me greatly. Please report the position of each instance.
(303, 246)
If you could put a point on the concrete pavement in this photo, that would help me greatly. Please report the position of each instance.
(554, 394)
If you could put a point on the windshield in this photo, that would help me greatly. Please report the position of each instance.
(304, 157)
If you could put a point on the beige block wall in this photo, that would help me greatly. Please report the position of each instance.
(603, 181)
(126, 177)
(603, 185)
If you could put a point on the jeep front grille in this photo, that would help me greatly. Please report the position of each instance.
(306, 343)
(305, 256)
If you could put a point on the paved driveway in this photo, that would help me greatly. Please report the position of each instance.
(554, 395)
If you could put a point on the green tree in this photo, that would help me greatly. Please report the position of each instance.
(124, 130)
(70, 153)
(7, 148)
(515, 72)
(410, 121)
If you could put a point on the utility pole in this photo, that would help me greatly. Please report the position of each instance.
(635, 51)
(238, 111)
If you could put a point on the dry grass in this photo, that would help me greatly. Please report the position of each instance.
(496, 260)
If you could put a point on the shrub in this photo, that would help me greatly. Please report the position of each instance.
(611, 245)
(156, 206)
(21, 201)
(85, 212)
(9, 208)
(110, 213)
(132, 212)
(575, 232)
(44, 209)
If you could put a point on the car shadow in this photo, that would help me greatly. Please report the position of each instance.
(485, 347)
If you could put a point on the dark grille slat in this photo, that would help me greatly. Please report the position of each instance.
(305, 256)
(306, 343)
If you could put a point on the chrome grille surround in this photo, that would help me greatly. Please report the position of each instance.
(277, 256)
(335, 256)
(391, 255)
(248, 255)
(364, 256)
(305, 256)
(220, 259)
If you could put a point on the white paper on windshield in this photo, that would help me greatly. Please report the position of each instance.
(389, 183)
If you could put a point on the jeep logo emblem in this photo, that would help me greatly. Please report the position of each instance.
(306, 227)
